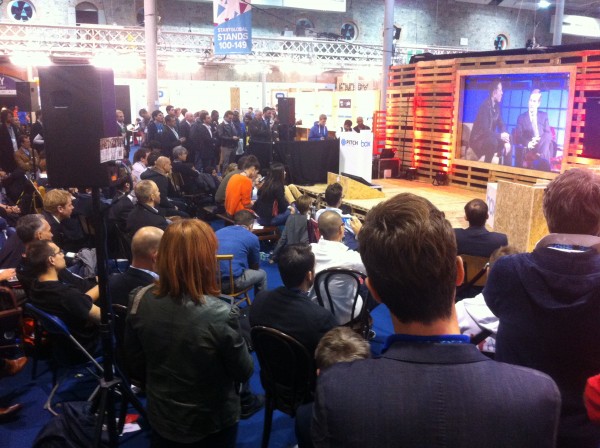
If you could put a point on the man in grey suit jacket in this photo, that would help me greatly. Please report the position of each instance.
(431, 387)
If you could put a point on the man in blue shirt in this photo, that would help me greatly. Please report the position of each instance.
(319, 130)
(239, 241)
(430, 387)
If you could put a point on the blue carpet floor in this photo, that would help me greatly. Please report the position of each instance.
(20, 431)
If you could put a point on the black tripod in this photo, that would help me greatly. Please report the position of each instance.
(110, 385)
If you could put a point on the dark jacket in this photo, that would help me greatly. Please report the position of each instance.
(121, 285)
(464, 399)
(265, 202)
(164, 186)
(7, 158)
(478, 241)
(259, 131)
(203, 143)
(168, 141)
(294, 232)
(226, 133)
(294, 314)
(142, 216)
(191, 357)
(120, 208)
(548, 303)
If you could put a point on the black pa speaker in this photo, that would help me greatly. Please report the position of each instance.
(286, 111)
(79, 109)
(27, 96)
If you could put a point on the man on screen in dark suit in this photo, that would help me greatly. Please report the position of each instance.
(489, 136)
(476, 240)
(430, 387)
(534, 136)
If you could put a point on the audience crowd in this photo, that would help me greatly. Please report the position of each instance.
(516, 365)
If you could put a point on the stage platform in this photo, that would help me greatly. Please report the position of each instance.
(449, 199)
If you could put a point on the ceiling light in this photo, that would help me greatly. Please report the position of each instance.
(544, 4)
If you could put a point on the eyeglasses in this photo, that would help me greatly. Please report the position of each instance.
(59, 252)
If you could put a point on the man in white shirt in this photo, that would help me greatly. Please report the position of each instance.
(330, 252)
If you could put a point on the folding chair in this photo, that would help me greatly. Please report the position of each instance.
(57, 327)
(287, 373)
(475, 276)
(238, 296)
(338, 290)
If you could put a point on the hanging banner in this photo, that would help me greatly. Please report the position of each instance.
(233, 26)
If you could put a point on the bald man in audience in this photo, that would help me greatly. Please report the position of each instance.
(141, 272)
(145, 212)
(331, 252)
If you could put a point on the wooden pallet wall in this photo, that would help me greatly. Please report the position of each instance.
(421, 116)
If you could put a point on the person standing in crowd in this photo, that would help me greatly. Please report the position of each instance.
(319, 130)
(9, 141)
(180, 325)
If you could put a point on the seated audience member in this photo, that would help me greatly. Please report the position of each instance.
(296, 227)
(192, 181)
(32, 228)
(185, 342)
(238, 195)
(347, 126)
(245, 247)
(66, 231)
(142, 271)
(145, 213)
(121, 205)
(476, 240)
(271, 206)
(548, 300)
(427, 368)
(27, 158)
(330, 252)
(74, 308)
(333, 199)
(211, 178)
(159, 174)
(340, 344)
(475, 319)
(288, 308)
(140, 164)
(228, 174)
(592, 398)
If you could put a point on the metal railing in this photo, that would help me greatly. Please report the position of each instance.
(90, 41)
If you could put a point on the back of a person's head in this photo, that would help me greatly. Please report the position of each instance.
(145, 242)
(179, 151)
(329, 224)
(56, 198)
(409, 251)
(243, 218)
(143, 191)
(340, 344)
(572, 203)
(230, 168)
(240, 163)
(140, 154)
(295, 261)
(37, 255)
(476, 212)
(251, 161)
(153, 157)
(28, 226)
(303, 204)
(333, 194)
(186, 263)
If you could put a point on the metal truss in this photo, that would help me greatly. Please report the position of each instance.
(89, 41)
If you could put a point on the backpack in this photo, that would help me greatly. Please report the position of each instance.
(313, 231)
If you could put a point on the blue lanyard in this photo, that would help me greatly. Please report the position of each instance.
(438, 339)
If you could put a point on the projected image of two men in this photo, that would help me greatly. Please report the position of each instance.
(515, 120)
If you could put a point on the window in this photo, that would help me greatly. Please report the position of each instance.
(86, 12)
(21, 11)
(302, 25)
(349, 31)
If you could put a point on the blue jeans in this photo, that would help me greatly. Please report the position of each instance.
(278, 220)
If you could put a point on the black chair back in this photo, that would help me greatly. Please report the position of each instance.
(336, 288)
(287, 373)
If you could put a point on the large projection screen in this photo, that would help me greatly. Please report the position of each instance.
(514, 118)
